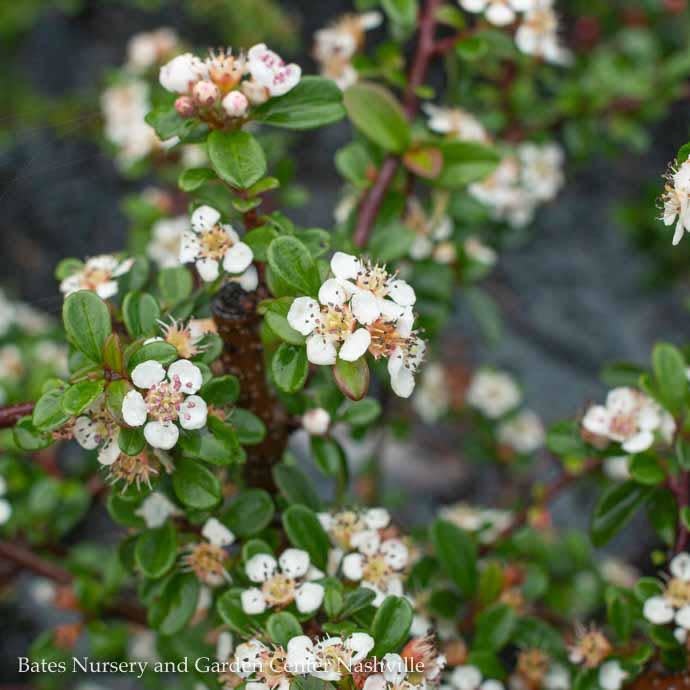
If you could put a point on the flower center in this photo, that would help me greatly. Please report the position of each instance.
(337, 322)
(374, 279)
(345, 525)
(279, 590)
(226, 71)
(623, 426)
(377, 571)
(163, 401)
(677, 593)
(384, 338)
(206, 561)
(533, 665)
(272, 668)
(93, 277)
(180, 337)
(214, 243)
(133, 469)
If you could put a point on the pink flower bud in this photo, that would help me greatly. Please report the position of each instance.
(235, 104)
(205, 93)
(185, 106)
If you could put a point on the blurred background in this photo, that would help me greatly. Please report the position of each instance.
(592, 280)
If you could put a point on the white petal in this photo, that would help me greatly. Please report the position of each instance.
(217, 533)
(345, 266)
(5, 511)
(208, 269)
(249, 280)
(148, 374)
(86, 433)
(300, 654)
(185, 376)
(294, 563)
(658, 611)
(394, 668)
(332, 292)
(303, 315)
(395, 553)
(309, 597)
(500, 14)
(193, 413)
(466, 678)
(161, 435)
(134, 410)
(204, 218)
(365, 307)
(367, 541)
(611, 675)
(638, 442)
(597, 420)
(353, 566)
(402, 293)
(238, 258)
(355, 345)
(683, 617)
(680, 567)
(253, 601)
(361, 644)
(107, 290)
(377, 518)
(320, 350)
(260, 567)
(376, 681)
(402, 382)
(109, 451)
(189, 247)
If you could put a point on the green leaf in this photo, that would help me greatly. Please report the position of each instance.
(314, 102)
(66, 267)
(258, 240)
(249, 428)
(355, 601)
(168, 123)
(230, 610)
(391, 625)
(195, 485)
(295, 486)
(221, 390)
(465, 162)
(114, 395)
(669, 372)
(377, 114)
(683, 454)
(615, 508)
(159, 350)
(663, 514)
(292, 263)
(249, 513)
(276, 318)
(48, 412)
(193, 178)
(282, 627)
(140, 312)
(176, 605)
(494, 627)
(352, 378)
(87, 323)
(362, 413)
(79, 396)
(156, 550)
(112, 353)
(472, 48)
(175, 284)
(329, 456)
(403, 12)
(27, 437)
(457, 553)
(131, 441)
(683, 153)
(646, 469)
(305, 532)
(290, 367)
(237, 157)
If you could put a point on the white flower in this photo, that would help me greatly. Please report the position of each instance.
(166, 402)
(493, 393)
(617, 467)
(538, 34)
(97, 429)
(498, 12)
(611, 675)
(466, 677)
(156, 508)
(658, 610)
(403, 364)
(166, 240)
(98, 274)
(524, 432)
(217, 533)
(630, 418)
(457, 122)
(248, 657)
(282, 582)
(269, 72)
(377, 518)
(680, 567)
(146, 49)
(316, 422)
(542, 169)
(431, 231)
(182, 72)
(675, 198)
(211, 244)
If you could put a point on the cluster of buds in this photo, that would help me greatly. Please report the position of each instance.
(362, 308)
(223, 87)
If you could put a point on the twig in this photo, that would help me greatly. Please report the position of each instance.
(11, 414)
(426, 49)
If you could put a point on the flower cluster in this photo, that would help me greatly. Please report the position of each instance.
(368, 550)
(206, 558)
(523, 432)
(676, 200)
(282, 582)
(98, 274)
(166, 240)
(521, 183)
(630, 418)
(168, 400)
(211, 244)
(672, 605)
(433, 233)
(223, 87)
(337, 44)
(362, 308)
(493, 393)
(96, 428)
(455, 123)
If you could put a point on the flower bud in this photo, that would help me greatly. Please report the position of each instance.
(316, 421)
(185, 106)
(180, 72)
(205, 93)
(235, 104)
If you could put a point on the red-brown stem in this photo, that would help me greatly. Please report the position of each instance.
(546, 495)
(11, 414)
(28, 560)
(424, 53)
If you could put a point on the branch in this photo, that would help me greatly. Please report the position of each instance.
(28, 560)
(11, 414)
(426, 49)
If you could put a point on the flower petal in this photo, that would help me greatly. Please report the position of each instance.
(193, 413)
(332, 293)
(109, 451)
(402, 293)
(204, 218)
(355, 345)
(148, 374)
(134, 410)
(345, 266)
(253, 601)
(185, 376)
(161, 435)
(189, 247)
(303, 315)
(238, 258)
(294, 563)
(208, 269)
(86, 433)
(321, 350)
(309, 597)
(217, 533)
(365, 307)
